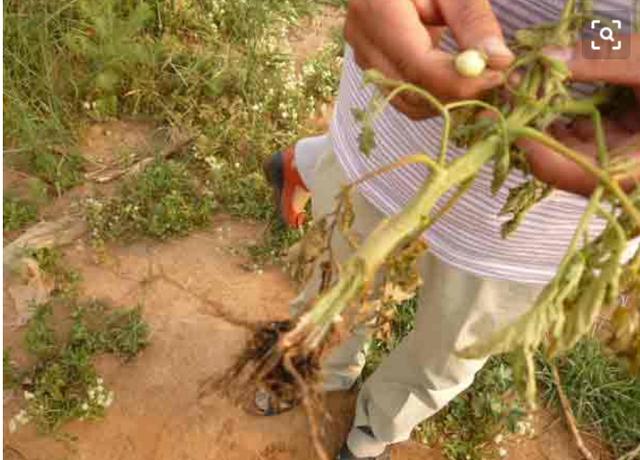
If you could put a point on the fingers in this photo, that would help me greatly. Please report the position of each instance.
(554, 169)
(369, 57)
(474, 25)
(391, 37)
(429, 12)
(601, 65)
(563, 173)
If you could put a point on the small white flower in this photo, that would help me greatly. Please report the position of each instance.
(85, 407)
(86, 105)
(99, 381)
(236, 165)
(498, 439)
(28, 395)
(502, 452)
(109, 400)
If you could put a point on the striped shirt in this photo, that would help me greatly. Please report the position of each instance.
(467, 237)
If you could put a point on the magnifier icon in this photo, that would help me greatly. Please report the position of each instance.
(606, 34)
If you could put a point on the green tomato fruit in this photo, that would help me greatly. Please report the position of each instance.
(470, 63)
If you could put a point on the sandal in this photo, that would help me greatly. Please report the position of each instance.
(267, 404)
(289, 191)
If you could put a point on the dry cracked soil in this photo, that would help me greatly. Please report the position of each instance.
(197, 294)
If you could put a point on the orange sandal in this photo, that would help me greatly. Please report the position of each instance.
(289, 191)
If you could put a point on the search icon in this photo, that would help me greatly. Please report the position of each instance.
(606, 34)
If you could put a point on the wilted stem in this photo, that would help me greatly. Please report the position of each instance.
(388, 236)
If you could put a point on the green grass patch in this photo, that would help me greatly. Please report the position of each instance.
(472, 425)
(17, 213)
(63, 384)
(60, 172)
(604, 396)
(220, 70)
(52, 264)
(162, 201)
(63, 335)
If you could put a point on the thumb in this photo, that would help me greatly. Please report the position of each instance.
(620, 67)
(474, 25)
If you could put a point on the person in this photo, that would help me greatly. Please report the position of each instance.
(473, 280)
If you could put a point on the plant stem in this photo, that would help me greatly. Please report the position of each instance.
(388, 236)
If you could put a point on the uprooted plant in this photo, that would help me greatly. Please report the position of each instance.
(590, 277)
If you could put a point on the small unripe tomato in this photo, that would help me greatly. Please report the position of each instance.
(470, 63)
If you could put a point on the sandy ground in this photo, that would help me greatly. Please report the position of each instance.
(191, 290)
(195, 294)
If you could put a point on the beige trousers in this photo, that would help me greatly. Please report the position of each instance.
(422, 374)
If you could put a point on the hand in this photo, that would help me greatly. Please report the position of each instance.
(622, 132)
(399, 38)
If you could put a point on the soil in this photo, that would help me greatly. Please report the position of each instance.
(196, 296)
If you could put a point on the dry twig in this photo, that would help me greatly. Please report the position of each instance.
(568, 415)
(632, 454)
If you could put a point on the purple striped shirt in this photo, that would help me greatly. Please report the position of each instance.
(467, 237)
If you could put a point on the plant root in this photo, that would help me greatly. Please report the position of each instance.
(289, 376)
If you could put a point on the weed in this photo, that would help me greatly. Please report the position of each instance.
(17, 213)
(40, 339)
(63, 384)
(60, 171)
(245, 21)
(62, 337)
(320, 72)
(125, 333)
(161, 201)
(472, 426)
(10, 374)
(51, 263)
(278, 238)
(221, 68)
(241, 194)
(604, 396)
